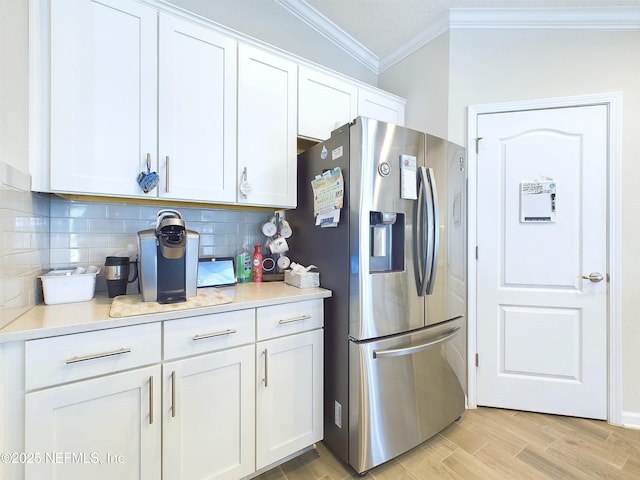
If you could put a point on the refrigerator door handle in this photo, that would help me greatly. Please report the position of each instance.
(397, 352)
(421, 233)
(434, 227)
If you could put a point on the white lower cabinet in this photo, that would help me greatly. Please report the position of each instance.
(208, 415)
(103, 428)
(218, 396)
(289, 395)
(92, 407)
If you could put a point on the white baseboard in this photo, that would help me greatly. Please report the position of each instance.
(630, 419)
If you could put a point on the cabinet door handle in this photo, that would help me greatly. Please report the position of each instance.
(294, 319)
(202, 336)
(166, 174)
(150, 399)
(95, 356)
(173, 393)
(266, 368)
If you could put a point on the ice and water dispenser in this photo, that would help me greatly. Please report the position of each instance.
(387, 241)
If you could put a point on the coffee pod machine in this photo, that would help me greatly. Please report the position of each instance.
(168, 260)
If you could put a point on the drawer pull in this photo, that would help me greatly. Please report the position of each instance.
(294, 319)
(95, 356)
(215, 334)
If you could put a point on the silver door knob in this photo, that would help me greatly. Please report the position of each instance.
(595, 277)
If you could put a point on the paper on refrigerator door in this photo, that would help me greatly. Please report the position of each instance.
(328, 191)
(408, 178)
(329, 219)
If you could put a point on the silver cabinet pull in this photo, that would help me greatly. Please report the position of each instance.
(173, 393)
(202, 336)
(294, 319)
(594, 277)
(95, 356)
(166, 174)
(266, 368)
(150, 400)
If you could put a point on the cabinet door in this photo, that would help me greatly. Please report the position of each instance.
(103, 95)
(104, 428)
(209, 416)
(267, 110)
(289, 395)
(324, 102)
(377, 105)
(197, 112)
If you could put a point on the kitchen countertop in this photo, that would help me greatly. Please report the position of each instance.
(50, 320)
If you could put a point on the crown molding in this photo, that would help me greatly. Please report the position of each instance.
(325, 27)
(573, 18)
(436, 28)
(583, 18)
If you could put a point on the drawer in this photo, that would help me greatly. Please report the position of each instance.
(207, 333)
(288, 318)
(55, 360)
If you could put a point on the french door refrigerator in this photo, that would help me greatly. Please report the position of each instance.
(395, 328)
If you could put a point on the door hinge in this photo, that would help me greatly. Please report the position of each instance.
(478, 144)
(477, 360)
(476, 252)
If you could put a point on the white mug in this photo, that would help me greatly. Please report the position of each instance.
(285, 230)
(278, 245)
(269, 229)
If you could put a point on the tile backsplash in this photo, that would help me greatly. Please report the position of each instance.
(24, 248)
(43, 231)
(84, 233)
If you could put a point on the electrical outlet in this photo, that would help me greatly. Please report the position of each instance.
(338, 415)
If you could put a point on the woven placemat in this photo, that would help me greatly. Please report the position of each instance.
(131, 305)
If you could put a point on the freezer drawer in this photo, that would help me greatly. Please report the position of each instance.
(403, 390)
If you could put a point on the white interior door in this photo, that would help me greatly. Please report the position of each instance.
(542, 326)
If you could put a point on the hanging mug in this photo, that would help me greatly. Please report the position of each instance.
(278, 245)
(269, 229)
(285, 229)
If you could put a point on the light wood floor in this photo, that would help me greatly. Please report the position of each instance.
(492, 444)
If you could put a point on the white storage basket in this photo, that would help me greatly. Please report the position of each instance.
(65, 286)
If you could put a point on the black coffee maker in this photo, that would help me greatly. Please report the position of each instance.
(168, 260)
(116, 272)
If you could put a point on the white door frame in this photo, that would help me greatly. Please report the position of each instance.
(613, 101)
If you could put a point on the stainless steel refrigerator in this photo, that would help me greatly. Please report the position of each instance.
(395, 327)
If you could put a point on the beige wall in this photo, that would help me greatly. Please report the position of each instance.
(424, 78)
(492, 66)
(270, 23)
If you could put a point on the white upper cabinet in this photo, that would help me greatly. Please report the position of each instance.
(381, 106)
(124, 90)
(129, 87)
(324, 102)
(267, 109)
(327, 101)
(103, 95)
(197, 114)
